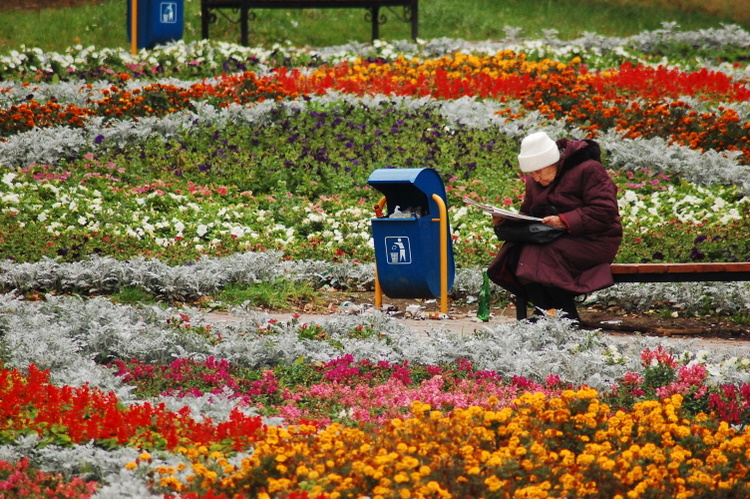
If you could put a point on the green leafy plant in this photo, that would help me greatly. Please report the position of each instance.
(281, 294)
(133, 295)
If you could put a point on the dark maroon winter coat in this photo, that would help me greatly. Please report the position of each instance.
(585, 197)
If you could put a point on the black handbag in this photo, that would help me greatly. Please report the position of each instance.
(516, 231)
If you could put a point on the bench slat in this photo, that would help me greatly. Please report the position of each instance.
(680, 272)
(676, 268)
(669, 272)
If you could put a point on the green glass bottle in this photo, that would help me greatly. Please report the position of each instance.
(483, 312)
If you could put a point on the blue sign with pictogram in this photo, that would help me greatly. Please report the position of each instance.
(168, 12)
(398, 250)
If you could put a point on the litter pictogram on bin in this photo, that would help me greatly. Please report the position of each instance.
(168, 12)
(398, 250)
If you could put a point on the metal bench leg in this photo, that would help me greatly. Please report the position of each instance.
(243, 26)
(374, 13)
(414, 21)
(204, 21)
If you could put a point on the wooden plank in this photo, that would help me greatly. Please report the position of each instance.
(678, 268)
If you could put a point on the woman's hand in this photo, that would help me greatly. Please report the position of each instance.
(497, 219)
(554, 221)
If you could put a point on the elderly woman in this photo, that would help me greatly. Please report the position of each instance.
(567, 186)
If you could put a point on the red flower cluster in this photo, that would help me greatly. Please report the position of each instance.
(19, 480)
(69, 415)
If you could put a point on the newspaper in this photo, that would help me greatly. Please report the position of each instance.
(494, 210)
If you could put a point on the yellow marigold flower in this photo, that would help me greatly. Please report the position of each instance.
(736, 444)
(635, 475)
(131, 466)
(419, 408)
(585, 459)
(493, 483)
(587, 393)
(145, 456)
(538, 449)
(568, 458)
(606, 464)
(401, 477)
(404, 493)
(527, 464)
(408, 462)
(171, 483)
(474, 411)
(277, 485)
(569, 482)
(381, 491)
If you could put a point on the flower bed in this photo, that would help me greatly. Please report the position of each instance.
(193, 167)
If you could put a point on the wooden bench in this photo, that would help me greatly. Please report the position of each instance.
(669, 272)
(373, 7)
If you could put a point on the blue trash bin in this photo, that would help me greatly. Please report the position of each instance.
(407, 237)
(159, 21)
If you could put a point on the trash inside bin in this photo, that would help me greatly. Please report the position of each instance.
(407, 237)
(157, 21)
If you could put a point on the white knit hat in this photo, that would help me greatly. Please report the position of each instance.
(537, 151)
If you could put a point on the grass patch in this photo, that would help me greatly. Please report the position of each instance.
(281, 294)
(741, 318)
(133, 295)
(103, 24)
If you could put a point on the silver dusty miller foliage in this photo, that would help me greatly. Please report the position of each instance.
(76, 338)
(205, 277)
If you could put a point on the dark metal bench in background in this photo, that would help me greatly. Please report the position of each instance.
(210, 7)
(669, 272)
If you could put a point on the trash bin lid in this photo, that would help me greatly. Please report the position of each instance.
(401, 185)
(426, 179)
